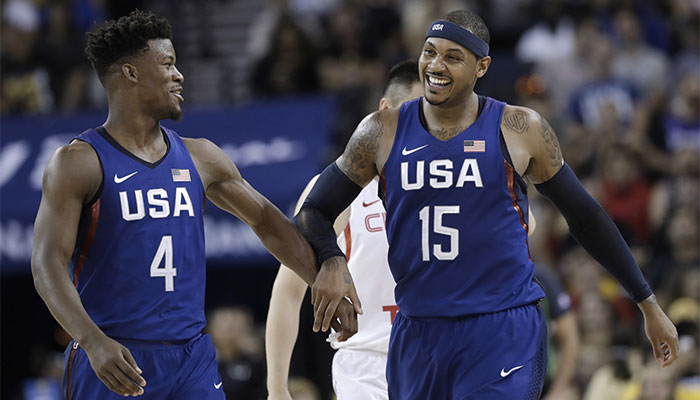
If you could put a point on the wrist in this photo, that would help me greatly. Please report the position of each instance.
(87, 339)
(648, 304)
(276, 387)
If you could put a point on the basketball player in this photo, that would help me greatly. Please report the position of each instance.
(359, 364)
(453, 166)
(119, 242)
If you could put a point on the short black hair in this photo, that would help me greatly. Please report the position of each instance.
(470, 21)
(404, 73)
(123, 38)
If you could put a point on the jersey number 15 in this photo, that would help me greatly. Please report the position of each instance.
(440, 229)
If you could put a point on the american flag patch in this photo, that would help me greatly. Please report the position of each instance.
(182, 175)
(474, 146)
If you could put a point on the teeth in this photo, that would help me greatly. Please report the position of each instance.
(436, 81)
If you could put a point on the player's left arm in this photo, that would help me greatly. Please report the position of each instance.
(226, 188)
(590, 225)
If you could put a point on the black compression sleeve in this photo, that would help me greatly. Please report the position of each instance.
(591, 226)
(332, 193)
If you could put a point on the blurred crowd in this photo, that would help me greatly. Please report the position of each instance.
(619, 81)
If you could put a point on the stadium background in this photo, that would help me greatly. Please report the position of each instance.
(280, 86)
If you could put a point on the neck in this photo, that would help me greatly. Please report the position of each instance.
(127, 123)
(454, 118)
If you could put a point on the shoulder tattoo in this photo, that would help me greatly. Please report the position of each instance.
(362, 147)
(551, 142)
(517, 121)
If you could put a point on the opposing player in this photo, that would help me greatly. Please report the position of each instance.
(119, 242)
(359, 364)
(453, 166)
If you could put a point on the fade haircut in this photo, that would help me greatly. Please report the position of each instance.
(470, 21)
(401, 77)
(123, 39)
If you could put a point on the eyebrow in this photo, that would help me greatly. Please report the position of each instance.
(450, 49)
(168, 57)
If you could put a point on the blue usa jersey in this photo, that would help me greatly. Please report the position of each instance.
(456, 219)
(139, 263)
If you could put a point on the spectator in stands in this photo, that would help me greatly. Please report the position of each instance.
(289, 67)
(625, 192)
(25, 84)
(239, 353)
(551, 39)
(67, 67)
(632, 52)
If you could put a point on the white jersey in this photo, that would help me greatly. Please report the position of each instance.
(365, 243)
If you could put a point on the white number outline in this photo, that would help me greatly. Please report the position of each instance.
(440, 229)
(168, 271)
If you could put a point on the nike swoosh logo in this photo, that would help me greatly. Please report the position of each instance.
(122, 179)
(217, 385)
(407, 152)
(368, 204)
(510, 371)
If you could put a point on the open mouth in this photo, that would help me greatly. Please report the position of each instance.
(437, 82)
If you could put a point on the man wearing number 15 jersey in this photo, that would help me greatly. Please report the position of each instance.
(119, 241)
(453, 167)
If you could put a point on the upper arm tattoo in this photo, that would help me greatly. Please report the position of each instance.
(362, 148)
(551, 142)
(518, 121)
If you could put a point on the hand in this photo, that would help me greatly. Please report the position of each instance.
(332, 284)
(280, 394)
(661, 332)
(115, 366)
(345, 320)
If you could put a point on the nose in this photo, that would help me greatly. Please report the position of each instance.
(177, 76)
(436, 64)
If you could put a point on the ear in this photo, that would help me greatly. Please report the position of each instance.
(482, 66)
(384, 103)
(130, 72)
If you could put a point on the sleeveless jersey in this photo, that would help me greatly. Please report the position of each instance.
(139, 263)
(365, 244)
(456, 219)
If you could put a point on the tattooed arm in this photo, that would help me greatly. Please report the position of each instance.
(533, 145)
(336, 188)
(532, 142)
(369, 147)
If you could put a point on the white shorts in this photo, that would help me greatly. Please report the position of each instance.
(359, 375)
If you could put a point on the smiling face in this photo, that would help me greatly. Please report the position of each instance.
(159, 81)
(449, 71)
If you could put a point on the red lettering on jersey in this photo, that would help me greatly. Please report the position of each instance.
(392, 310)
(374, 227)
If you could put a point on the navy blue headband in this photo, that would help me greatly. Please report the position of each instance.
(448, 30)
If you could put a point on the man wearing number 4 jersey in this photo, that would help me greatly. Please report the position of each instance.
(119, 241)
(453, 167)
(359, 365)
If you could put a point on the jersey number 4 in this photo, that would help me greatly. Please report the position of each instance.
(440, 229)
(164, 254)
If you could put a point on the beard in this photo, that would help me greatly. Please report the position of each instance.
(175, 114)
(435, 103)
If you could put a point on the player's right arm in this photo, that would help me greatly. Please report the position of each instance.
(73, 177)
(283, 317)
(336, 188)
